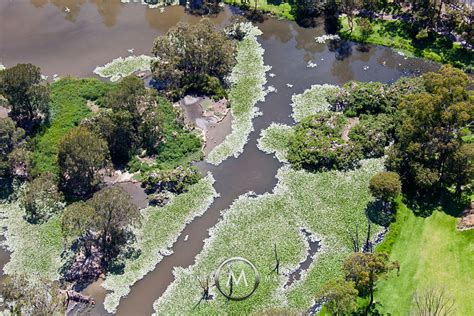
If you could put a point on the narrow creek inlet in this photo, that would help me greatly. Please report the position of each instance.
(93, 35)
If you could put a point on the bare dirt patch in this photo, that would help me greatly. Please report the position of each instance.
(351, 122)
(210, 117)
(467, 218)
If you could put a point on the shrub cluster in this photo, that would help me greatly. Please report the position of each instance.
(174, 181)
(317, 144)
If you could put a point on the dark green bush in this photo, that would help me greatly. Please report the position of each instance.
(373, 134)
(358, 98)
(175, 181)
(317, 144)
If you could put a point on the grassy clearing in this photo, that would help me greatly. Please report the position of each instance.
(160, 229)
(278, 8)
(329, 204)
(432, 253)
(68, 107)
(35, 249)
(122, 67)
(394, 34)
(247, 79)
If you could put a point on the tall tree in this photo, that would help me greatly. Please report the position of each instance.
(10, 138)
(27, 97)
(114, 212)
(365, 269)
(349, 7)
(190, 56)
(340, 297)
(41, 198)
(82, 156)
(429, 135)
(385, 186)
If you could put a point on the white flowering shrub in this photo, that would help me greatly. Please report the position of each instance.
(247, 80)
(122, 67)
(329, 204)
(275, 139)
(160, 228)
(312, 101)
(35, 249)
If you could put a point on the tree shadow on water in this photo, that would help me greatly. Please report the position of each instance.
(341, 48)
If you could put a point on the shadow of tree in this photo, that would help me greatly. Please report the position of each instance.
(379, 215)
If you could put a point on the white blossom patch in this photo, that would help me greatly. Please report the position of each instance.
(122, 67)
(247, 81)
(275, 140)
(323, 38)
(312, 101)
(330, 204)
(160, 228)
(35, 248)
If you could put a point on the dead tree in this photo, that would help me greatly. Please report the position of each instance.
(433, 302)
(205, 296)
(368, 243)
(355, 240)
(277, 264)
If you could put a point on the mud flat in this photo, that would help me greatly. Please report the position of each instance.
(211, 117)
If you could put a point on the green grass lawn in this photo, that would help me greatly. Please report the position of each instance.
(431, 253)
(278, 8)
(394, 34)
(68, 107)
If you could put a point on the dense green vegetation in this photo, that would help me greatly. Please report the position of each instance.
(387, 113)
(316, 144)
(397, 34)
(90, 124)
(195, 58)
(69, 98)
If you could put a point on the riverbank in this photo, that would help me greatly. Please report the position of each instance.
(212, 118)
(247, 80)
(389, 33)
(394, 33)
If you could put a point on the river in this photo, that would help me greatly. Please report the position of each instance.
(94, 32)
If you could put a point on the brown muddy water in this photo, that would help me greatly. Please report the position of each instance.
(96, 31)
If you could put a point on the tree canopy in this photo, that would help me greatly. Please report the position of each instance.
(428, 138)
(27, 97)
(82, 156)
(192, 57)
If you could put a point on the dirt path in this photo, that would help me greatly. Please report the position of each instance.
(353, 121)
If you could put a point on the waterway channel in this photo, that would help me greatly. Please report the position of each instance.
(94, 32)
